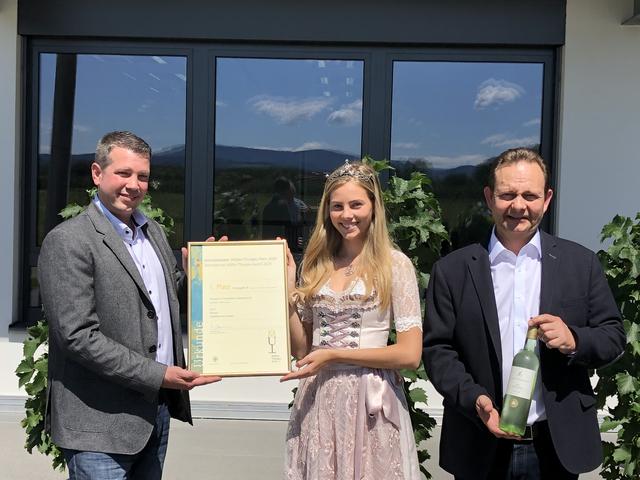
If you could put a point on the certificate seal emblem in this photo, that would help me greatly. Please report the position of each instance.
(513, 403)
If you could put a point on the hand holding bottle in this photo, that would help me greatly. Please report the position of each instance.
(554, 333)
(491, 418)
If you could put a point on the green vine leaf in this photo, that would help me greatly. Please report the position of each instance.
(415, 225)
(621, 265)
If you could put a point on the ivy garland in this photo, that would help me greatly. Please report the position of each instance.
(415, 225)
(621, 263)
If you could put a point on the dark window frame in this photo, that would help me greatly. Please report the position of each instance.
(200, 112)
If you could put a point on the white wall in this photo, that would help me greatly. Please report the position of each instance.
(10, 352)
(600, 119)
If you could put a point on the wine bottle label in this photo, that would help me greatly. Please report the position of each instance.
(521, 382)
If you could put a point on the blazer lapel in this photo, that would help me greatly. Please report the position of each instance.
(116, 245)
(480, 270)
(549, 266)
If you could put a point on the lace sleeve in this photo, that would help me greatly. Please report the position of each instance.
(405, 299)
(304, 312)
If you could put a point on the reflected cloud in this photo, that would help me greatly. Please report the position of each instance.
(159, 60)
(313, 145)
(220, 103)
(129, 76)
(406, 145)
(494, 92)
(154, 89)
(153, 76)
(439, 161)
(181, 76)
(348, 115)
(503, 140)
(288, 111)
(81, 128)
(532, 123)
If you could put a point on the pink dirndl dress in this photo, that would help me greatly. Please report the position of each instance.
(351, 422)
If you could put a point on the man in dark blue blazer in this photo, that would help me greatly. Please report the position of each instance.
(481, 300)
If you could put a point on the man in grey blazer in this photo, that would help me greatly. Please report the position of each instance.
(110, 287)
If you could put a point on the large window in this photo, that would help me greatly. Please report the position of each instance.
(281, 125)
(82, 97)
(451, 119)
(243, 135)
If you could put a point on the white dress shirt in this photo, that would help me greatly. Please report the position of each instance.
(150, 268)
(516, 286)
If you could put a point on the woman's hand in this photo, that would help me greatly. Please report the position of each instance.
(311, 364)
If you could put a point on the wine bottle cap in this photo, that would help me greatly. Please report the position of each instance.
(532, 333)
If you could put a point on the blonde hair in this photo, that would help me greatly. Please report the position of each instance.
(374, 264)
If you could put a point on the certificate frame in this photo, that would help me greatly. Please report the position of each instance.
(238, 308)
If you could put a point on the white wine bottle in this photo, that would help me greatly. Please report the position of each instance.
(522, 380)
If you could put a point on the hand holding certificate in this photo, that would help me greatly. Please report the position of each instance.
(238, 308)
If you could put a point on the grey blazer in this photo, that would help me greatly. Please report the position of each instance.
(103, 378)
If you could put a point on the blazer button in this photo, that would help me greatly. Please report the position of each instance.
(151, 314)
(152, 349)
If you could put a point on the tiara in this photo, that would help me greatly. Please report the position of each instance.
(350, 170)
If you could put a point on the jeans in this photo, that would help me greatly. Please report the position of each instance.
(144, 465)
(527, 460)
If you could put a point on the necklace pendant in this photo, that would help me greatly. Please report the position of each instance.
(348, 271)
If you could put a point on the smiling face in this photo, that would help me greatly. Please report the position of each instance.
(351, 211)
(518, 202)
(123, 182)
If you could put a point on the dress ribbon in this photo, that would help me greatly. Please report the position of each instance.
(376, 401)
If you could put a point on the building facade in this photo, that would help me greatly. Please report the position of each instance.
(248, 104)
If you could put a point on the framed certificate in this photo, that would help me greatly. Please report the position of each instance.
(238, 308)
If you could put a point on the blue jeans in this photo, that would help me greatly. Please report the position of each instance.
(529, 460)
(144, 465)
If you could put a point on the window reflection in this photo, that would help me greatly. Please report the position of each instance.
(83, 97)
(451, 119)
(281, 125)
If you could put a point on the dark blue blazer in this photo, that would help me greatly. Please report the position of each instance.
(463, 359)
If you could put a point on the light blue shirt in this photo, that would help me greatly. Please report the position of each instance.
(516, 286)
(150, 268)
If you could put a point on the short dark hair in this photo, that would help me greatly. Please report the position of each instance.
(122, 139)
(515, 155)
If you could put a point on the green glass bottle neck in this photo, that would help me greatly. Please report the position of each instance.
(531, 344)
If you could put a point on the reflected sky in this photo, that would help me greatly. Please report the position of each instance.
(141, 93)
(289, 105)
(453, 113)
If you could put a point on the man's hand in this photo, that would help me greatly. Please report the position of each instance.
(185, 253)
(491, 418)
(181, 379)
(554, 333)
